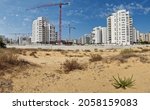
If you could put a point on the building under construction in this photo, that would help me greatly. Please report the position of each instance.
(43, 32)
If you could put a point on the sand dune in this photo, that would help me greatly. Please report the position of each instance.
(47, 75)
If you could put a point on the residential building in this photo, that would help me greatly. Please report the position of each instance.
(119, 28)
(99, 35)
(136, 35)
(40, 30)
(144, 37)
(43, 31)
(84, 39)
(52, 33)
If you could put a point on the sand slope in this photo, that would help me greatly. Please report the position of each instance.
(96, 77)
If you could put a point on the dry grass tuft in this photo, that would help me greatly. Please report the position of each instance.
(9, 60)
(33, 54)
(126, 54)
(86, 50)
(95, 50)
(145, 50)
(77, 50)
(71, 65)
(101, 50)
(58, 50)
(95, 57)
(6, 85)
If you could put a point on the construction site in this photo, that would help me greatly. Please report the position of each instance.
(45, 32)
(107, 60)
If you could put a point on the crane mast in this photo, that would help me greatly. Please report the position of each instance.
(60, 16)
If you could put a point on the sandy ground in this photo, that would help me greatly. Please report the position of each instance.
(48, 77)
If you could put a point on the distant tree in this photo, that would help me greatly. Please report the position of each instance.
(2, 44)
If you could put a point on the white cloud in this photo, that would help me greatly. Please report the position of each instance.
(77, 12)
(4, 18)
(107, 9)
(26, 19)
(132, 7)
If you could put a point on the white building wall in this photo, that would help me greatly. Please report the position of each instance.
(52, 33)
(104, 35)
(119, 26)
(42, 31)
(134, 38)
(99, 35)
(136, 35)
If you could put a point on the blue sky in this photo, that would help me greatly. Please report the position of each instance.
(82, 14)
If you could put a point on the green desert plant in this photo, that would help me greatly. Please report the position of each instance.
(95, 57)
(123, 82)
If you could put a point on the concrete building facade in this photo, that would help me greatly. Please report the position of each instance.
(136, 35)
(52, 33)
(120, 28)
(99, 35)
(145, 37)
(85, 39)
(42, 31)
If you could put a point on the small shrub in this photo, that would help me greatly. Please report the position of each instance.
(144, 59)
(114, 50)
(124, 55)
(126, 51)
(47, 54)
(95, 50)
(70, 65)
(95, 57)
(64, 52)
(145, 50)
(101, 50)
(123, 82)
(87, 50)
(77, 50)
(58, 50)
(9, 58)
(33, 54)
(6, 85)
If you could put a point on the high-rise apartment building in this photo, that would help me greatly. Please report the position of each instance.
(52, 33)
(144, 37)
(99, 35)
(42, 31)
(85, 39)
(136, 35)
(119, 28)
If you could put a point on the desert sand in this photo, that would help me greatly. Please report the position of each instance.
(46, 75)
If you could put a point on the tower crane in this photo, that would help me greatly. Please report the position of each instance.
(60, 15)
